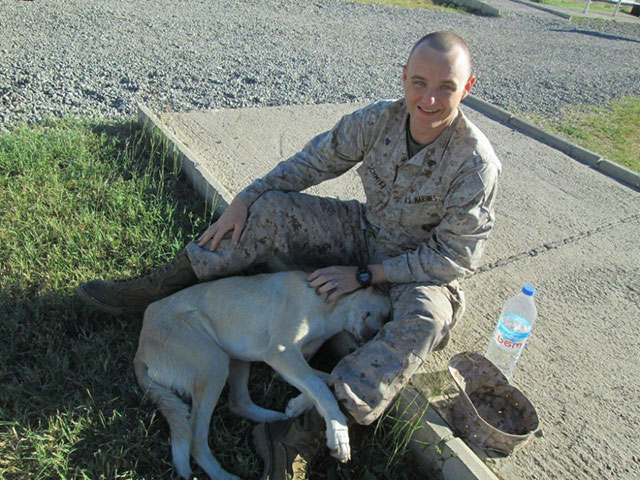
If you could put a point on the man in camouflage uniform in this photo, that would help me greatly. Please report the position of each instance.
(430, 179)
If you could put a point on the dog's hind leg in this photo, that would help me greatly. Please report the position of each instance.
(175, 411)
(240, 401)
(207, 386)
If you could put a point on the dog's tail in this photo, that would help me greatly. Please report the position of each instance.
(175, 411)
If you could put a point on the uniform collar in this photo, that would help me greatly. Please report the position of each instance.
(434, 151)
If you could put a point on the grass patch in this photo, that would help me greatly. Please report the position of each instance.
(441, 5)
(82, 200)
(579, 5)
(612, 130)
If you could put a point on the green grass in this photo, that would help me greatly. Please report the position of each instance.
(82, 200)
(442, 5)
(611, 130)
(579, 5)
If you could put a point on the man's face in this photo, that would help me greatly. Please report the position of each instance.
(434, 84)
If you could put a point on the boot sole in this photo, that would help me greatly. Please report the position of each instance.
(94, 302)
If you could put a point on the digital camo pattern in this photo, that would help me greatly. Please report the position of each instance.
(366, 381)
(431, 213)
(426, 220)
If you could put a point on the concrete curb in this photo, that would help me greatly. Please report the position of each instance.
(594, 160)
(620, 173)
(478, 6)
(566, 16)
(492, 111)
(214, 193)
(435, 445)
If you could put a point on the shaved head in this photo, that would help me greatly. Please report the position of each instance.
(444, 41)
(436, 78)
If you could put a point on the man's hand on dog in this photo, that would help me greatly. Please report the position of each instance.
(233, 219)
(334, 281)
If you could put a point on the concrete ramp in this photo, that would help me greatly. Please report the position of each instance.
(561, 226)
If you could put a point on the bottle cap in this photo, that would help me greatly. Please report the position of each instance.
(528, 290)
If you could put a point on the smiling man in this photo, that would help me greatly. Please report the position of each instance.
(436, 78)
(430, 179)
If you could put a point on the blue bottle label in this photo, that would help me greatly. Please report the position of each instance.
(512, 332)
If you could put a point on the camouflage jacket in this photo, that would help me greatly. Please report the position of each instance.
(430, 214)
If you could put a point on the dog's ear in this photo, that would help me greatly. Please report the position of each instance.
(356, 325)
(351, 325)
(362, 324)
(373, 322)
(367, 313)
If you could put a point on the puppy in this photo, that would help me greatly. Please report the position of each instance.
(192, 342)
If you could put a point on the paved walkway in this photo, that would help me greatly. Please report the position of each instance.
(561, 226)
(535, 8)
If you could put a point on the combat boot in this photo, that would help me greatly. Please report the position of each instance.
(287, 447)
(134, 295)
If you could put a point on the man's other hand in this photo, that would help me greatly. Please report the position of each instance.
(233, 219)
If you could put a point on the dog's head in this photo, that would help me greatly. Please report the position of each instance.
(369, 308)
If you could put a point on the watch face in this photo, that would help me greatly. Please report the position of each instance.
(364, 278)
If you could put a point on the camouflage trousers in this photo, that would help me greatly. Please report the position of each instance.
(286, 231)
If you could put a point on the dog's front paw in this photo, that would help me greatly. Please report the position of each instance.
(338, 442)
(298, 405)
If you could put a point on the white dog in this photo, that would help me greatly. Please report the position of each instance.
(196, 339)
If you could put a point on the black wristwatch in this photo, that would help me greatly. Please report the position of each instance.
(364, 276)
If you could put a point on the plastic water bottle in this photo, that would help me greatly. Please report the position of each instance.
(513, 329)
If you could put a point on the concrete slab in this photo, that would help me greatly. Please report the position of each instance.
(562, 226)
(236, 146)
(579, 366)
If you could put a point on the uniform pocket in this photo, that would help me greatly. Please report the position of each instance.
(421, 217)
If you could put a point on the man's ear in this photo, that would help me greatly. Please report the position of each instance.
(468, 86)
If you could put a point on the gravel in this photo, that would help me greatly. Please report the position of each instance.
(100, 59)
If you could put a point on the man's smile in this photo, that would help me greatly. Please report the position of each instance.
(428, 111)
